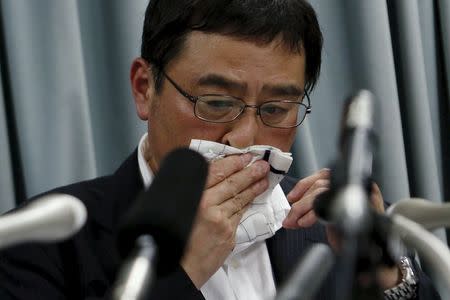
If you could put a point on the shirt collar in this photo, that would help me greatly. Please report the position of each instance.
(144, 168)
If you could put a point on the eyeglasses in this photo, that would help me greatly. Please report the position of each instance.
(223, 109)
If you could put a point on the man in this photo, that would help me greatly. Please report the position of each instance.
(223, 71)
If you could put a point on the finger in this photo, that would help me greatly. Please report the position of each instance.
(235, 220)
(307, 220)
(237, 217)
(303, 185)
(301, 208)
(238, 182)
(376, 198)
(243, 199)
(221, 169)
(318, 184)
(334, 238)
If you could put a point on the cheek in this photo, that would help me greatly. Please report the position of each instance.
(198, 129)
(191, 127)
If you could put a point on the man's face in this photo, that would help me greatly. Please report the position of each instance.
(217, 64)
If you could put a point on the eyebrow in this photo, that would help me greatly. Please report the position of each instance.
(283, 90)
(221, 82)
(228, 84)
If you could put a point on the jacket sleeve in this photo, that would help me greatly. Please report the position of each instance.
(35, 271)
(425, 288)
(176, 285)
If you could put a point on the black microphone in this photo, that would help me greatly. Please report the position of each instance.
(351, 174)
(162, 215)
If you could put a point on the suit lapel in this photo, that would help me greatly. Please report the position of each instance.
(113, 196)
(286, 247)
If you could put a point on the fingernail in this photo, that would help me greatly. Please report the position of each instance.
(292, 194)
(285, 223)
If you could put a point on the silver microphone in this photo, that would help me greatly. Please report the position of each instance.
(411, 218)
(426, 213)
(48, 219)
(430, 249)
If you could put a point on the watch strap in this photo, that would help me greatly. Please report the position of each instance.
(407, 289)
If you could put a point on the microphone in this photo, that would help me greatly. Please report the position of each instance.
(426, 213)
(346, 203)
(430, 249)
(50, 218)
(318, 260)
(351, 174)
(162, 215)
(411, 218)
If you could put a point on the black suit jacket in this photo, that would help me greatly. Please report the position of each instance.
(85, 266)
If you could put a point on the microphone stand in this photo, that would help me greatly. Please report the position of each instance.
(318, 260)
(347, 206)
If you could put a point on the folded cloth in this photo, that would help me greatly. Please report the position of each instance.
(267, 212)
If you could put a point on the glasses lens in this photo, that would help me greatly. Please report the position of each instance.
(282, 114)
(218, 108)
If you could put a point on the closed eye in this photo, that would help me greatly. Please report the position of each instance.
(273, 109)
(218, 103)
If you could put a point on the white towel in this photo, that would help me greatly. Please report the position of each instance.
(267, 212)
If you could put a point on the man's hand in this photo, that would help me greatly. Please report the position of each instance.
(302, 215)
(230, 188)
(302, 197)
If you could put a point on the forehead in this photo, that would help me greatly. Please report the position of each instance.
(244, 59)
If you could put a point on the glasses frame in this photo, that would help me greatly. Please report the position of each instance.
(194, 100)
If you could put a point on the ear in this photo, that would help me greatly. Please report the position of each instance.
(142, 86)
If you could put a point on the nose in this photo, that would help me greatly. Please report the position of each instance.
(243, 131)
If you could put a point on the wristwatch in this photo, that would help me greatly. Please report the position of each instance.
(408, 287)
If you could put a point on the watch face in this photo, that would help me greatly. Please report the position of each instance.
(408, 273)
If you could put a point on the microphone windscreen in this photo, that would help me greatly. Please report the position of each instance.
(167, 209)
(50, 218)
(323, 204)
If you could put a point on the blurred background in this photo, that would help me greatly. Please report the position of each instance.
(66, 111)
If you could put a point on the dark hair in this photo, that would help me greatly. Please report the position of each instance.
(167, 23)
